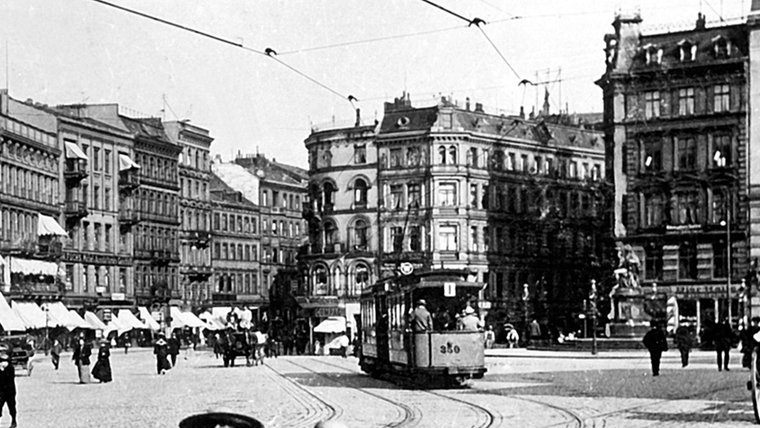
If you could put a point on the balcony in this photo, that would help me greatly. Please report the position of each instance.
(198, 238)
(74, 210)
(198, 273)
(128, 217)
(161, 257)
(75, 171)
(129, 180)
(50, 247)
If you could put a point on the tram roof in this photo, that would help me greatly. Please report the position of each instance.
(426, 279)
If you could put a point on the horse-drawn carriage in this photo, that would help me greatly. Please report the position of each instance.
(242, 343)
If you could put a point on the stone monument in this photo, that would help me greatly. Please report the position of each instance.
(628, 315)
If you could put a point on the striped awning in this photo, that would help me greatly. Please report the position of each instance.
(74, 152)
(47, 225)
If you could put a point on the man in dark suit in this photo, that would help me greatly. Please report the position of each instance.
(7, 384)
(656, 342)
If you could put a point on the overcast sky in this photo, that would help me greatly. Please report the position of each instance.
(80, 51)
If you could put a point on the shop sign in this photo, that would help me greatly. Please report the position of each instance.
(118, 296)
(699, 290)
(330, 311)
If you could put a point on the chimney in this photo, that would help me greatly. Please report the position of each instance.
(626, 40)
(478, 108)
(467, 103)
(701, 21)
(358, 117)
(522, 112)
(532, 113)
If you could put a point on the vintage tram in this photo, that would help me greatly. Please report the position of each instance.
(442, 356)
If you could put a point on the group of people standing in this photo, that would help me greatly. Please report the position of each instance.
(82, 352)
(421, 320)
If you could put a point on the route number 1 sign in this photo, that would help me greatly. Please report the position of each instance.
(449, 289)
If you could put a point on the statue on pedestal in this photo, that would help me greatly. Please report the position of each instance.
(627, 316)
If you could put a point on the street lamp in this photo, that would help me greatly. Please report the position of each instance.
(525, 299)
(592, 304)
(727, 224)
(47, 329)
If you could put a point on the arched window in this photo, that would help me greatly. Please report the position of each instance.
(329, 194)
(442, 155)
(316, 198)
(315, 237)
(452, 155)
(360, 235)
(327, 159)
(360, 279)
(331, 237)
(320, 280)
(360, 192)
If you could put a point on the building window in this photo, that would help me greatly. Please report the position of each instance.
(687, 261)
(652, 155)
(320, 280)
(360, 153)
(720, 254)
(447, 194)
(447, 238)
(413, 156)
(653, 262)
(472, 157)
(722, 47)
(414, 193)
(452, 155)
(361, 278)
(652, 104)
(721, 98)
(474, 238)
(721, 151)
(473, 195)
(687, 153)
(687, 206)
(396, 158)
(719, 206)
(686, 101)
(397, 239)
(654, 206)
(442, 155)
(360, 192)
(687, 51)
(360, 235)
(415, 238)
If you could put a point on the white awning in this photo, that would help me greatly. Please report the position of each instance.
(191, 320)
(128, 318)
(2, 261)
(178, 321)
(78, 320)
(126, 163)
(31, 315)
(94, 321)
(147, 318)
(331, 325)
(47, 225)
(59, 315)
(73, 151)
(8, 319)
(116, 325)
(33, 267)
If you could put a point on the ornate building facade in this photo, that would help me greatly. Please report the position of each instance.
(195, 288)
(340, 258)
(677, 128)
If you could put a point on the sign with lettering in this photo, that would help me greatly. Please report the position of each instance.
(449, 289)
(710, 291)
(325, 312)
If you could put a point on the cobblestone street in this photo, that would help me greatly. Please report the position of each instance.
(522, 388)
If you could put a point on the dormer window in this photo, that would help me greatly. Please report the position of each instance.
(687, 51)
(653, 54)
(721, 47)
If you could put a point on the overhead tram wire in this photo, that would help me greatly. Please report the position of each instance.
(270, 53)
(477, 22)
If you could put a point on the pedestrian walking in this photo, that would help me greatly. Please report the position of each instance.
(656, 343)
(55, 353)
(102, 368)
(723, 337)
(173, 346)
(343, 342)
(81, 358)
(161, 351)
(490, 337)
(534, 331)
(7, 384)
(513, 338)
(684, 342)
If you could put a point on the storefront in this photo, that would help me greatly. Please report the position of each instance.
(701, 305)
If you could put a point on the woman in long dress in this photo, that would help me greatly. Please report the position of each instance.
(102, 369)
(162, 352)
(81, 357)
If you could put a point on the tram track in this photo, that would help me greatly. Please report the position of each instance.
(406, 416)
(316, 408)
(485, 417)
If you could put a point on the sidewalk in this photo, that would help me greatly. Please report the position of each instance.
(602, 354)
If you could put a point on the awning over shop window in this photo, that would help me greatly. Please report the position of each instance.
(76, 318)
(128, 318)
(191, 320)
(126, 163)
(31, 315)
(331, 325)
(8, 319)
(214, 324)
(116, 325)
(94, 321)
(59, 315)
(178, 320)
(74, 152)
(32, 267)
(147, 318)
(2, 261)
(47, 225)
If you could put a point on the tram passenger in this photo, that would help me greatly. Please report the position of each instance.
(469, 321)
(421, 319)
(442, 319)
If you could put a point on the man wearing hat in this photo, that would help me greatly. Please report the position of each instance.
(7, 384)
(161, 351)
(469, 321)
(421, 319)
